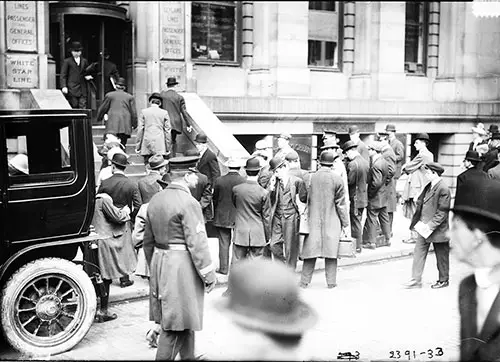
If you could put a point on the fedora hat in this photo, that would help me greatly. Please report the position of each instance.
(479, 129)
(472, 156)
(436, 167)
(480, 197)
(20, 163)
(157, 161)
(423, 136)
(120, 159)
(348, 145)
(265, 297)
(114, 150)
(390, 128)
(329, 143)
(121, 81)
(252, 164)
(201, 138)
(155, 95)
(171, 81)
(326, 158)
(76, 46)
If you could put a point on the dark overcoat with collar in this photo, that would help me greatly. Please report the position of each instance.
(390, 156)
(297, 187)
(477, 345)
(202, 192)
(399, 151)
(357, 173)
(494, 172)
(473, 173)
(73, 76)
(121, 110)
(224, 210)
(209, 166)
(378, 190)
(123, 191)
(149, 186)
(432, 209)
(175, 104)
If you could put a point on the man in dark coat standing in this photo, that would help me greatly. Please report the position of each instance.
(122, 114)
(283, 190)
(175, 104)
(430, 221)
(208, 163)
(123, 191)
(74, 77)
(354, 136)
(357, 173)
(398, 148)
(293, 160)
(148, 185)
(476, 241)
(202, 189)
(471, 162)
(252, 221)
(490, 158)
(177, 252)
(224, 211)
(390, 156)
(110, 71)
(377, 198)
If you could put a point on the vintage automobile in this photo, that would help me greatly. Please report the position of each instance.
(47, 188)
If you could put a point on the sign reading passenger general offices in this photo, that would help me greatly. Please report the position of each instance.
(20, 24)
(172, 30)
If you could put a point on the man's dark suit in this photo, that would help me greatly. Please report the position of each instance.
(490, 159)
(148, 186)
(494, 172)
(110, 70)
(377, 200)
(224, 214)
(209, 166)
(399, 151)
(202, 192)
(357, 173)
(433, 206)
(123, 191)
(73, 78)
(468, 175)
(475, 345)
(252, 221)
(174, 103)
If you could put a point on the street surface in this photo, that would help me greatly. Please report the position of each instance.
(369, 312)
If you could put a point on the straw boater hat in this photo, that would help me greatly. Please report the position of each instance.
(479, 129)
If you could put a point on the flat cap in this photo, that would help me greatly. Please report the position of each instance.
(436, 167)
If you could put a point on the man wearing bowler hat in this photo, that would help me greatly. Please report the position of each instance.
(122, 114)
(252, 220)
(284, 147)
(74, 77)
(148, 185)
(398, 148)
(111, 73)
(224, 210)
(354, 136)
(208, 163)
(268, 318)
(416, 178)
(472, 171)
(153, 130)
(390, 156)
(178, 255)
(475, 238)
(175, 104)
(494, 172)
(430, 221)
(202, 189)
(338, 167)
(357, 173)
(490, 158)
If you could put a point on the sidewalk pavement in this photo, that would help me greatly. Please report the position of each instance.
(398, 249)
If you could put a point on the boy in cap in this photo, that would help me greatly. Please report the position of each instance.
(354, 136)
(475, 239)
(430, 221)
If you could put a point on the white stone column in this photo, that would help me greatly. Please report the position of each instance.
(138, 12)
(3, 80)
(154, 46)
(43, 45)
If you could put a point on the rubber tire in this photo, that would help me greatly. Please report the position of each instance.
(25, 275)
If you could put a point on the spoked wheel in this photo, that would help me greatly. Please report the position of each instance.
(48, 306)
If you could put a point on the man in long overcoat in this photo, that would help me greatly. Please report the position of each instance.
(376, 211)
(354, 136)
(208, 163)
(476, 242)
(153, 130)
(177, 252)
(122, 114)
(328, 218)
(472, 162)
(416, 180)
(285, 212)
(175, 104)
(74, 77)
(431, 223)
(390, 156)
(357, 173)
(398, 148)
(491, 157)
(110, 71)
(225, 212)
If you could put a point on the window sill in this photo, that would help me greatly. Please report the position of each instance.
(325, 69)
(416, 74)
(214, 63)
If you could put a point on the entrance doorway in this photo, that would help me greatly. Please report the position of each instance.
(97, 29)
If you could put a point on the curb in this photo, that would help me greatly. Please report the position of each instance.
(141, 290)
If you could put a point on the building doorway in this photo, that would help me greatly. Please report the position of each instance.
(98, 27)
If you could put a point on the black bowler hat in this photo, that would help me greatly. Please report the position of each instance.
(348, 145)
(120, 159)
(76, 46)
(329, 143)
(201, 138)
(493, 128)
(472, 156)
(326, 158)
(480, 197)
(155, 95)
(390, 128)
(171, 81)
(423, 136)
(276, 162)
(436, 167)
(253, 164)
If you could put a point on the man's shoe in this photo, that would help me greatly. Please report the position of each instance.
(409, 241)
(126, 283)
(223, 272)
(303, 285)
(331, 286)
(439, 284)
(105, 317)
(369, 246)
(412, 284)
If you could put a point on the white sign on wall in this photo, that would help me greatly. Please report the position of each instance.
(20, 26)
(172, 30)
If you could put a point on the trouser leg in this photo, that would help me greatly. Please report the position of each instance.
(277, 239)
(123, 138)
(73, 101)
(105, 300)
(173, 135)
(170, 343)
(419, 256)
(291, 239)
(442, 251)
(82, 102)
(391, 219)
(331, 271)
(187, 350)
(356, 231)
(224, 235)
(370, 228)
(256, 252)
(383, 217)
(307, 270)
